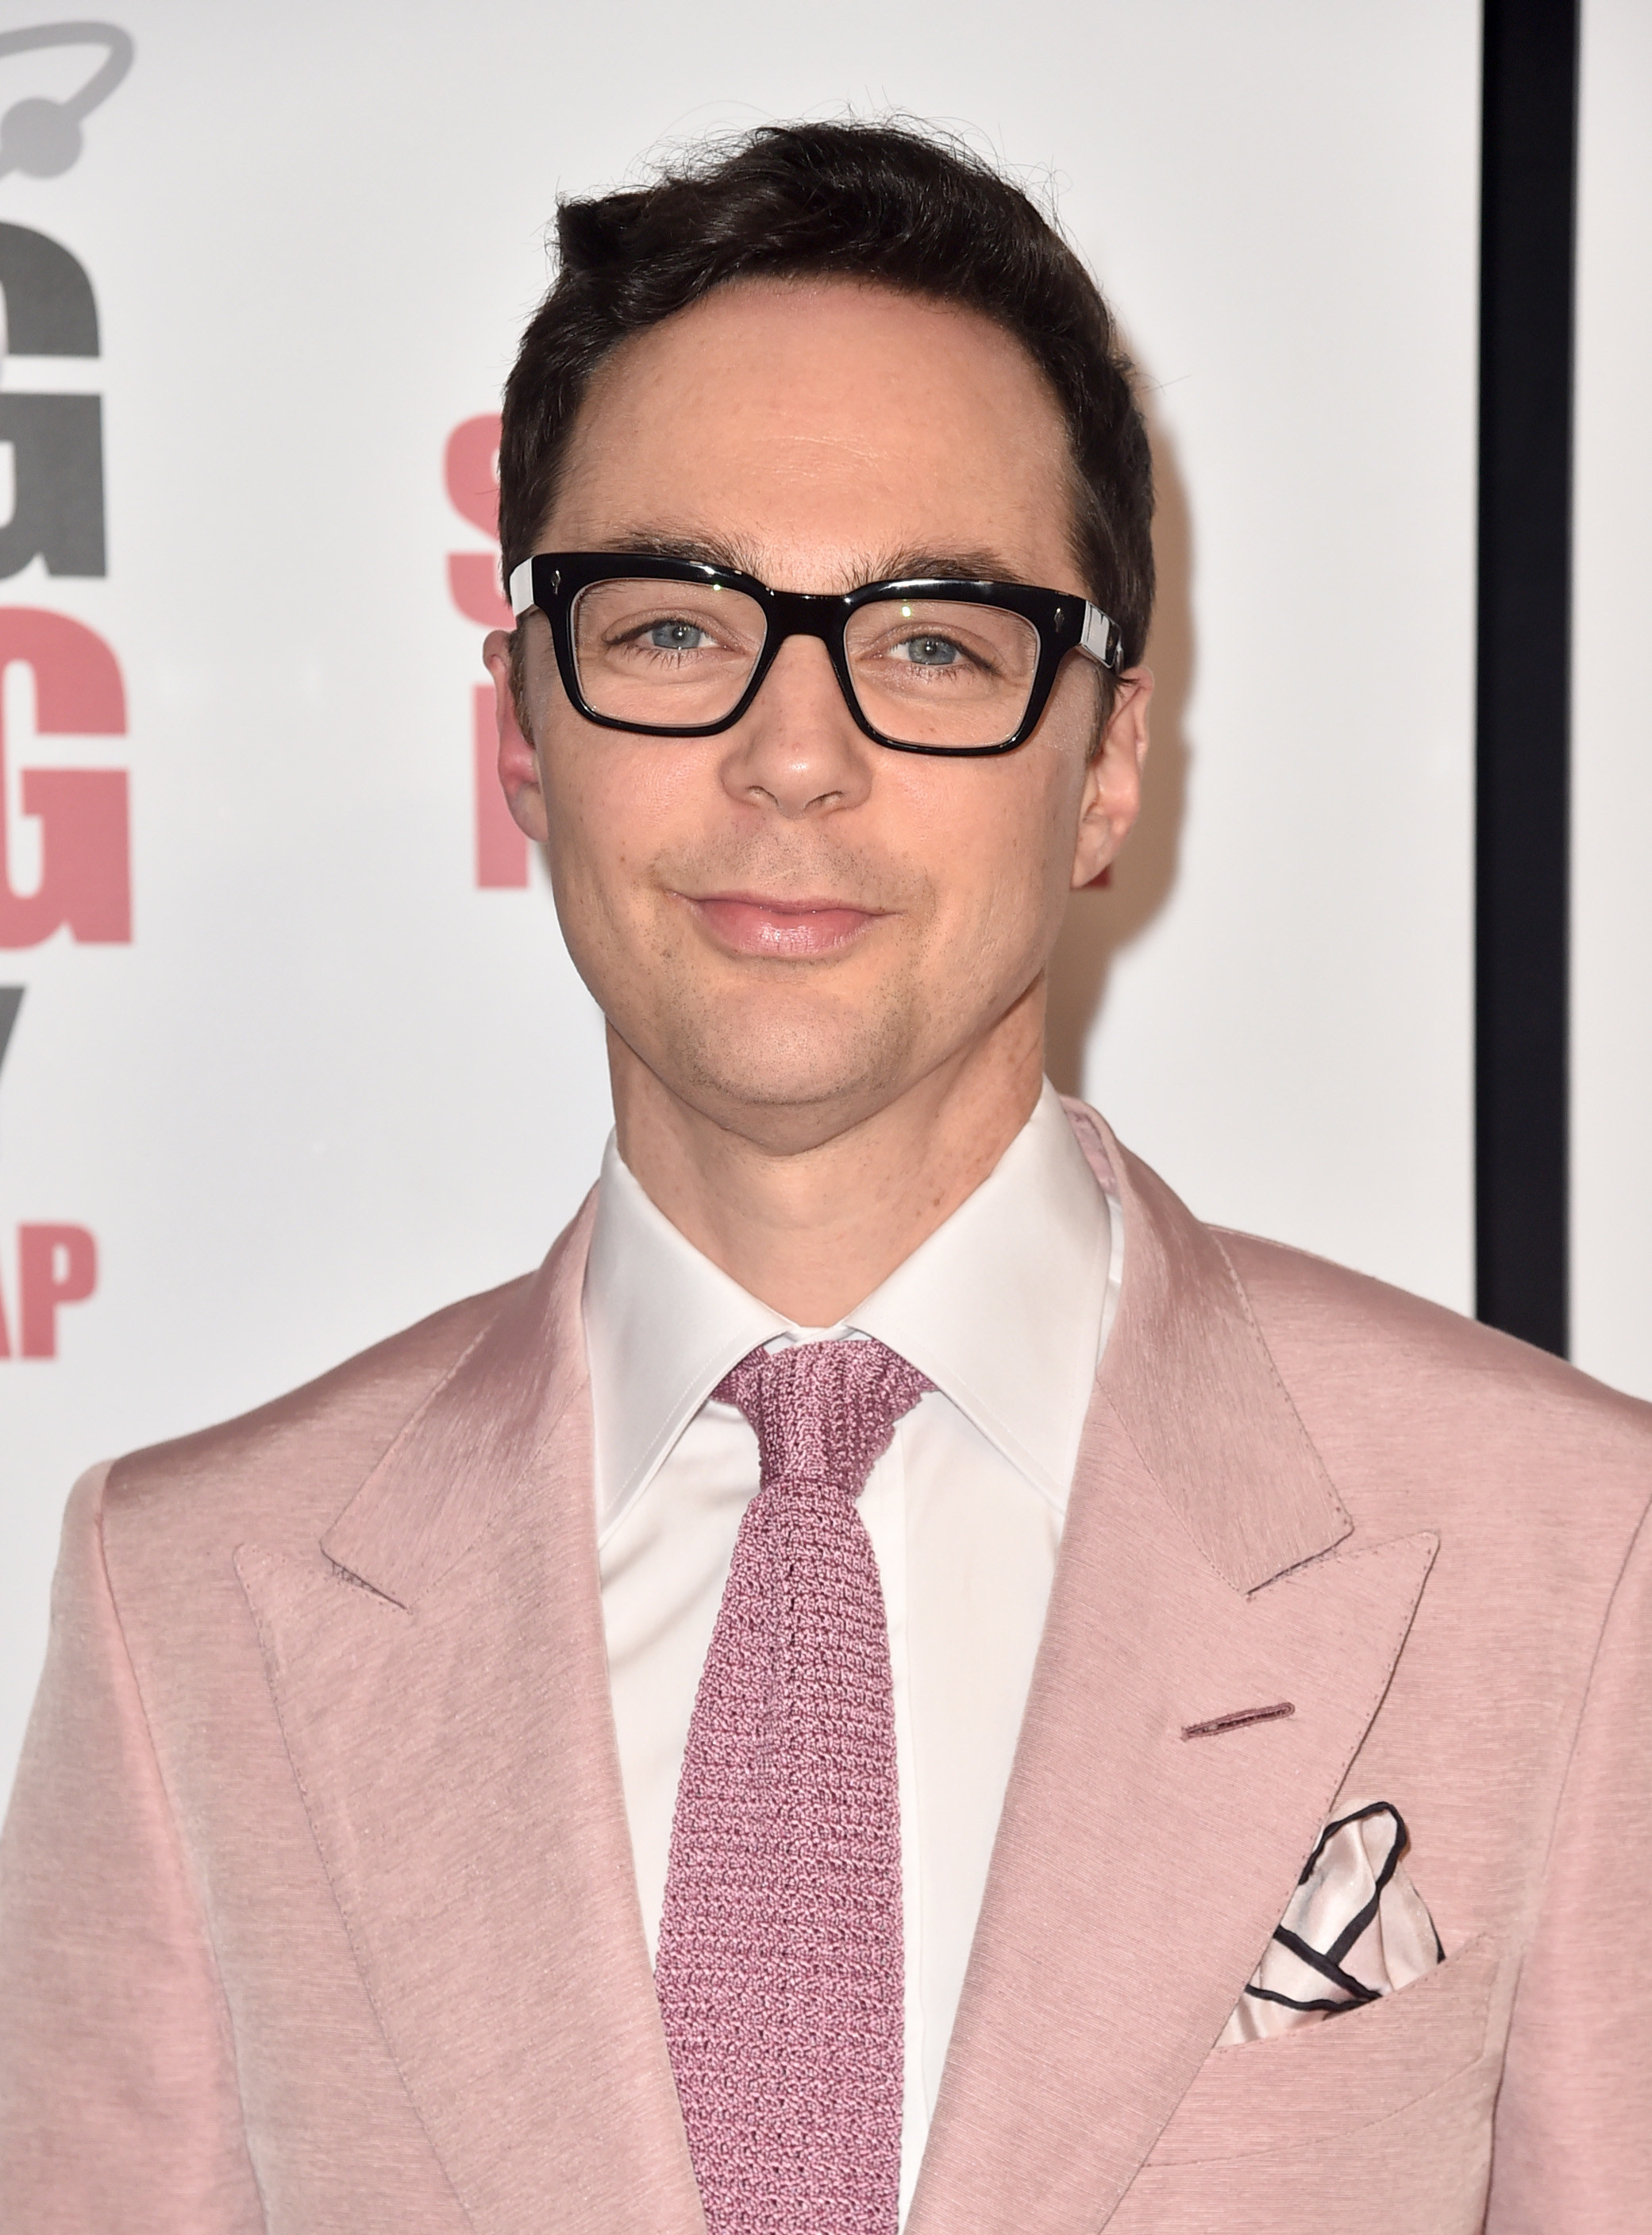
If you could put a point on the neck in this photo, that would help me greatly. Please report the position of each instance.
(812, 1230)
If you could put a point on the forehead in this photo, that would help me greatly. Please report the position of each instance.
(824, 426)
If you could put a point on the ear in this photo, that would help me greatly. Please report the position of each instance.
(1112, 786)
(519, 775)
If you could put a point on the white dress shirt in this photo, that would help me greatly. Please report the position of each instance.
(1005, 1307)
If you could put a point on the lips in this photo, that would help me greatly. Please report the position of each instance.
(751, 923)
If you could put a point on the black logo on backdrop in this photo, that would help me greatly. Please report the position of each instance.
(57, 516)
(56, 441)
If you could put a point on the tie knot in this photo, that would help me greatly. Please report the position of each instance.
(823, 1412)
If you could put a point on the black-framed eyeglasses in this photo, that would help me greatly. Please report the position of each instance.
(672, 648)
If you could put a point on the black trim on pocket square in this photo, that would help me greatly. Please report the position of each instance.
(1355, 1930)
(1328, 1962)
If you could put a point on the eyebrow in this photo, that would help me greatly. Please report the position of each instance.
(909, 564)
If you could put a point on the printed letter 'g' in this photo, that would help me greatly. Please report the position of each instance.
(85, 881)
(56, 442)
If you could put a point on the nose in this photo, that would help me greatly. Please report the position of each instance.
(798, 751)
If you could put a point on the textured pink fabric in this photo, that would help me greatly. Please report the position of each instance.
(779, 1971)
(317, 1911)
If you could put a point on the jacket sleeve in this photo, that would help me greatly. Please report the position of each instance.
(1572, 2154)
(119, 2113)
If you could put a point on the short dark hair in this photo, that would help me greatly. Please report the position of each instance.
(883, 202)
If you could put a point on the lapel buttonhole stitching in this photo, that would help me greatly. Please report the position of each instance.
(1239, 1720)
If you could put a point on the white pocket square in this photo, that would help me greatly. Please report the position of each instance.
(1356, 1928)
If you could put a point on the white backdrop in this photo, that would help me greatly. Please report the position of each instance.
(328, 1082)
(1612, 726)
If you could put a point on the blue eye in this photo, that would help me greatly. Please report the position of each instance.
(675, 636)
(929, 650)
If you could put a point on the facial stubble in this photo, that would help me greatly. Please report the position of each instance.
(729, 1032)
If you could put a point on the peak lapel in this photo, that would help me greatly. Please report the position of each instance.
(440, 1676)
(1191, 1380)
(1138, 1873)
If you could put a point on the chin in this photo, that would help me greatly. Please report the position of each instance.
(788, 1063)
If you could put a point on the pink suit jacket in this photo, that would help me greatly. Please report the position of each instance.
(318, 1904)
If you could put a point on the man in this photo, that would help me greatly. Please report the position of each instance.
(900, 1677)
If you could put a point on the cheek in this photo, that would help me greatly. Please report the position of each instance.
(1001, 846)
(606, 803)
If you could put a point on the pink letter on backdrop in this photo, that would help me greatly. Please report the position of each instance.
(85, 855)
(58, 1265)
(473, 486)
(471, 471)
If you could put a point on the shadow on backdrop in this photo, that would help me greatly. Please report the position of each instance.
(1101, 922)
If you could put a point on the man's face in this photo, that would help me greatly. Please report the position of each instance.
(788, 925)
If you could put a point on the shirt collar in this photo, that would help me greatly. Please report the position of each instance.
(1004, 1306)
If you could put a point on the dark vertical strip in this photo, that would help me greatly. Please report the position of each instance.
(1529, 196)
(11, 1002)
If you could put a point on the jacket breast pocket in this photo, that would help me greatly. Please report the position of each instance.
(1348, 2072)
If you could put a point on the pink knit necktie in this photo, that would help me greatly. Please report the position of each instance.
(779, 1971)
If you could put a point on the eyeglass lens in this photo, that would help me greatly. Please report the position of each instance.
(675, 655)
